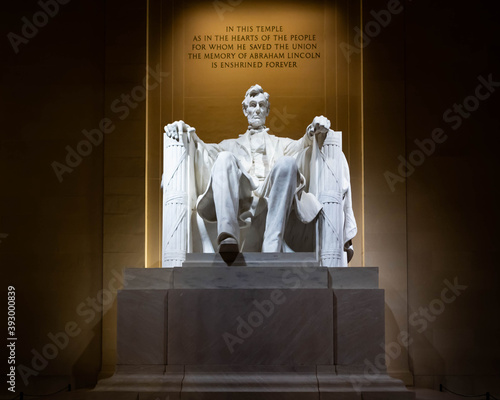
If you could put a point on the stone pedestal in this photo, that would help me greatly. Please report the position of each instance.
(254, 331)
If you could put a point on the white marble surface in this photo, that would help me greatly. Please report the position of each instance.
(250, 326)
(142, 381)
(353, 278)
(141, 327)
(255, 182)
(264, 270)
(359, 327)
(253, 259)
(250, 278)
(313, 342)
(148, 278)
(263, 383)
(118, 393)
(335, 386)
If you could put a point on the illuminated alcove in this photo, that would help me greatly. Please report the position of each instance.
(214, 51)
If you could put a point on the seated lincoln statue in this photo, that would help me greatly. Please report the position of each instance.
(258, 192)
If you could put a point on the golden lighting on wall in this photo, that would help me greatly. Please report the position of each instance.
(222, 48)
(215, 50)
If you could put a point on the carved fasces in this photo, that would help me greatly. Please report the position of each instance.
(330, 194)
(176, 193)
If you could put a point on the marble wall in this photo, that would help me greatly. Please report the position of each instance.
(50, 225)
(453, 237)
(427, 129)
(384, 141)
(124, 151)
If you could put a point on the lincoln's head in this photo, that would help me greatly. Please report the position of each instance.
(256, 106)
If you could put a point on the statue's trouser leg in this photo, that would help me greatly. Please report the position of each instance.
(283, 180)
(226, 186)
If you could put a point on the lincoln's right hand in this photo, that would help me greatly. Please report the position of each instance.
(174, 129)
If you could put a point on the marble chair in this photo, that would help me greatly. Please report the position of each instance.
(325, 168)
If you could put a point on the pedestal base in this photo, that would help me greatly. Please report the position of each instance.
(252, 383)
(252, 332)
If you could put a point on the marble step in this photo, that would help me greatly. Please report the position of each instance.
(251, 260)
(258, 276)
(189, 382)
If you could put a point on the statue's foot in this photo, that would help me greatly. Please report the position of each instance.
(229, 250)
(229, 246)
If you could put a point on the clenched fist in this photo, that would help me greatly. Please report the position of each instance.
(319, 125)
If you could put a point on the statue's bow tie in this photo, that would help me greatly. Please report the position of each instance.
(253, 131)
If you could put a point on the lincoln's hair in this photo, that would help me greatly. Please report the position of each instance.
(255, 90)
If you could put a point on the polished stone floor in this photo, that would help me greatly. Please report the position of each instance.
(427, 394)
(421, 394)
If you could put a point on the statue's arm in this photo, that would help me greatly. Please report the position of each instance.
(202, 155)
(176, 129)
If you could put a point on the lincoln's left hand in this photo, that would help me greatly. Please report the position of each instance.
(319, 125)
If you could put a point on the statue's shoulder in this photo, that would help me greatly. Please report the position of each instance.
(284, 140)
(229, 144)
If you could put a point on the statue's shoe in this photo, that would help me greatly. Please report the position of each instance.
(229, 245)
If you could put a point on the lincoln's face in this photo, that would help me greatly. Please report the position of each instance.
(257, 111)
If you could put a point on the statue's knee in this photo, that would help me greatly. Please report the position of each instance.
(225, 159)
(286, 164)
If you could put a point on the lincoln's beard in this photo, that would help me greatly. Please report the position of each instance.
(256, 122)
